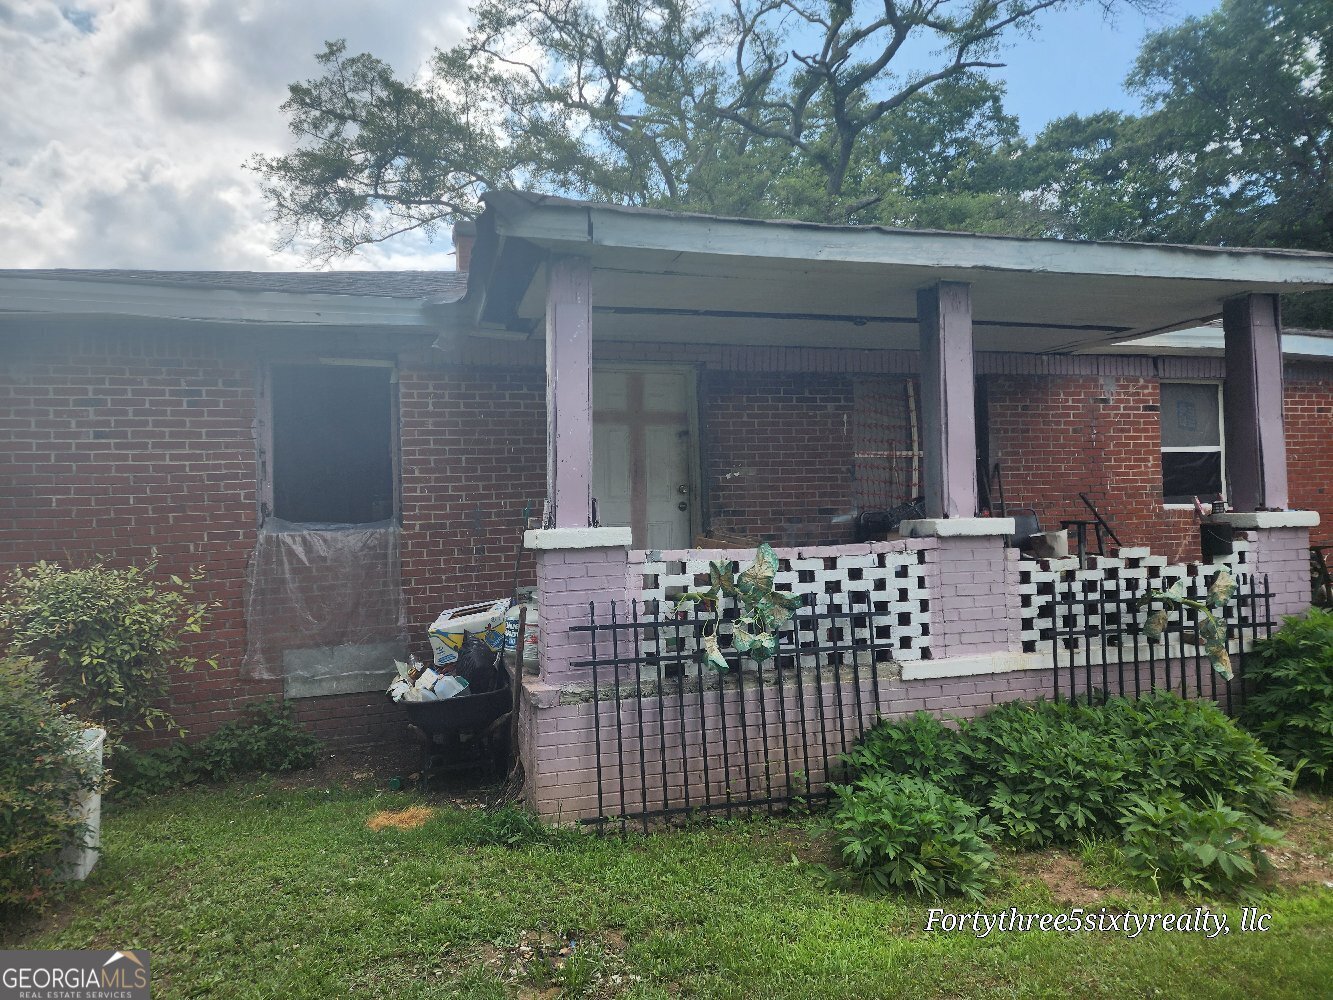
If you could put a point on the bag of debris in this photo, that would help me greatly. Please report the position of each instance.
(479, 665)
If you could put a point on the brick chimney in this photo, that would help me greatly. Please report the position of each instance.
(465, 234)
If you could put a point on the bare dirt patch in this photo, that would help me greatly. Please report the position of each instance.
(544, 964)
(1062, 873)
(1308, 858)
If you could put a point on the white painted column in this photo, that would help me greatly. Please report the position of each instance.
(949, 441)
(1256, 442)
(569, 391)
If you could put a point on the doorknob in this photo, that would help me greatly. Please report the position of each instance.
(682, 506)
(683, 490)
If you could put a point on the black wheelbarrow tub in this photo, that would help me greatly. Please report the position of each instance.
(460, 714)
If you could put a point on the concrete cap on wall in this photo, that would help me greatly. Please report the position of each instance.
(578, 538)
(1263, 519)
(957, 527)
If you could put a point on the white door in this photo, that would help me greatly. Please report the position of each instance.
(641, 455)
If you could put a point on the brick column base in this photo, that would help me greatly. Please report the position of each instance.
(1280, 550)
(973, 581)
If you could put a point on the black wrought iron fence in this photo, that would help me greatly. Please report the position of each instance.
(1101, 646)
(676, 738)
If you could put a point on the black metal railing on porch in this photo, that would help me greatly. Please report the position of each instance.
(1101, 644)
(675, 738)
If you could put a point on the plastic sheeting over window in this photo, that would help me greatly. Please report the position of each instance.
(324, 607)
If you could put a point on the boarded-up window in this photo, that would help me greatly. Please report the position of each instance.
(332, 459)
(888, 467)
(1191, 441)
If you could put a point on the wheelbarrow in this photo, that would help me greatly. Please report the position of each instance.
(463, 732)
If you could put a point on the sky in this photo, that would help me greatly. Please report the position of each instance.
(124, 124)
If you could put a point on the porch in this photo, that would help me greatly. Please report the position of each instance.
(947, 617)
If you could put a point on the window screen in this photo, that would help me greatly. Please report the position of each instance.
(1191, 441)
(332, 444)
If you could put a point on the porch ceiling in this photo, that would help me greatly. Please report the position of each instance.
(670, 277)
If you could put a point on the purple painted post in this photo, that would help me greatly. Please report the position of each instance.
(944, 313)
(569, 391)
(1256, 448)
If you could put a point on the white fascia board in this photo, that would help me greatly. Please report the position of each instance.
(60, 296)
(571, 226)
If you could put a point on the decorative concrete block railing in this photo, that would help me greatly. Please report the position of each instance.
(1096, 600)
(884, 585)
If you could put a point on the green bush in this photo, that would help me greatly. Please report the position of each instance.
(270, 739)
(40, 785)
(1193, 748)
(896, 831)
(1210, 847)
(1044, 772)
(1059, 772)
(106, 638)
(921, 746)
(1291, 708)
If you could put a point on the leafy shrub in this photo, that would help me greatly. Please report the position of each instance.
(920, 746)
(1291, 709)
(40, 785)
(1210, 847)
(1042, 773)
(899, 832)
(107, 638)
(1193, 748)
(270, 739)
(1057, 772)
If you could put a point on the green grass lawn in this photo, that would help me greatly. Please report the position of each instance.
(257, 890)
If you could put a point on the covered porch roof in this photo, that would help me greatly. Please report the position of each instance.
(665, 276)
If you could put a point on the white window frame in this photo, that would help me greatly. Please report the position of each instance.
(1220, 447)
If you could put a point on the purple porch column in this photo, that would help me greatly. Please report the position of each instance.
(1256, 447)
(569, 391)
(944, 313)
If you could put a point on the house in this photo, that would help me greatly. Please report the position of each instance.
(349, 453)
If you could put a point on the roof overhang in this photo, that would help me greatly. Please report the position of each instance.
(669, 276)
(26, 297)
(1209, 341)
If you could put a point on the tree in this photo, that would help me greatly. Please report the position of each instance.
(737, 109)
(1243, 100)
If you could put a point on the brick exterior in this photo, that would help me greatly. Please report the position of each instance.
(1308, 413)
(779, 455)
(974, 592)
(1055, 438)
(119, 441)
(119, 445)
(560, 736)
(566, 583)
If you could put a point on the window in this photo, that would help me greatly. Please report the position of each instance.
(332, 458)
(1191, 441)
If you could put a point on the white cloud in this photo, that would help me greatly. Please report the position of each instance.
(124, 123)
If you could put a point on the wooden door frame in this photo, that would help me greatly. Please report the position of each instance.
(691, 403)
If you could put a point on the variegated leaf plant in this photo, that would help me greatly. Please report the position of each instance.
(763, 610)
(1212, 634)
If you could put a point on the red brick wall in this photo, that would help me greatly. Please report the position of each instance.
(116, 445)
(1100, 435)
(473, 453)
(1308, 414)
(779, 455)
